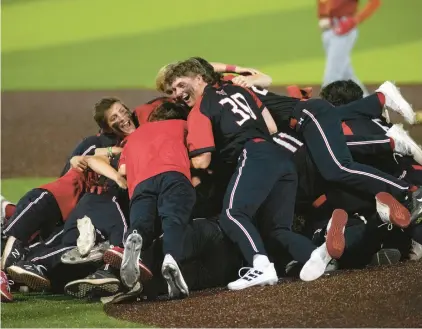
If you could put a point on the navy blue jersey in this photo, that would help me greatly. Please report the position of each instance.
(280, 107)
(88, 145)
(223, 120)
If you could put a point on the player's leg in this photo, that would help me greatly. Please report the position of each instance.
(337, 50)
(276, 219)
(349, 72)
(371, 107)
(175, 203)
(143, 214)
(33, 210)
(327, 145)
(258, 169)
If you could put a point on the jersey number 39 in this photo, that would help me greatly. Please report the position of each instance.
(239, 106)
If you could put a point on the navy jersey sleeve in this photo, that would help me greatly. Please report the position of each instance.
(86, 147)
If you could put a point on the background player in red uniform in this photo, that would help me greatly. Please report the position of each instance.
(338, 20)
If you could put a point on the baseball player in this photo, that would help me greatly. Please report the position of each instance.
(338, 20)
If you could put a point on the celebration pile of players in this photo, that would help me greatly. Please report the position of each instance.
(221, 182)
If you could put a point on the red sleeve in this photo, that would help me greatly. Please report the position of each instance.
(256, 99)
(122, 160)
(200, 137)
(228, 77)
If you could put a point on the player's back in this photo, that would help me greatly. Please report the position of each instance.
(155, 148)
(236, 117)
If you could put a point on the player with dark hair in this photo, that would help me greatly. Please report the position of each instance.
(405, 167)
(156, 164)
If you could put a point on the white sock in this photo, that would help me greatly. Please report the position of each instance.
(260, 261)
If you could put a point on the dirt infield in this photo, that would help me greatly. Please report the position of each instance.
(39, 129)
(380, 297)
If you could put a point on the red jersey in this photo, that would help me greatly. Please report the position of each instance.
(155, 148)
(67, 190)
(143, 111)
(337, 8)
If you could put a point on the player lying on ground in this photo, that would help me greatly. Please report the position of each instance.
(104, 201)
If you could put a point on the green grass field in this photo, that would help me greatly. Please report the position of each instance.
(48, 311)
(104, 44)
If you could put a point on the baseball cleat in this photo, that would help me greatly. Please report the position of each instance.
(404, 144)
(114, 256)
(266, 276)
(99, 284)
(131, 295)
(73, 256)
(416, 206)
(6, 295)
(30, 274)
(86, 239)
(396, 102)
(316, 265)
(392, 211)
(335, 241)
(129, 268)
(385, 257)
(13, 252)
(415, 251)
(177, 287)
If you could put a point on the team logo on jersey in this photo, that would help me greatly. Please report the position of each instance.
(221, 92)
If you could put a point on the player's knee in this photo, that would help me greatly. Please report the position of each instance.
(332, 174)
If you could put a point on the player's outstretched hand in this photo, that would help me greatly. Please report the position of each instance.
(242, 81)
(79, 162)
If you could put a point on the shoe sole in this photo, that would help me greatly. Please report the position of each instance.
(132, 295)
(78, 259)
(386, 257)
(30, 279)
(335, 241)
(177, 287)
(393, 92)
(129, 268)
(92, 288)
(86, 239)
(7, 251)
(114, 259)
(390, 210)
(263, 284)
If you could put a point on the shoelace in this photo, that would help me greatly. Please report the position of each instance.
(247, 272)
(8, 283)
(389, 227)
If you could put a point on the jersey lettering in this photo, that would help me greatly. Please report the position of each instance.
(260, 91)
(379, 122)
(239, 106)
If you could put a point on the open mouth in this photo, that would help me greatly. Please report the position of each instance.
(126, 125)
(186, 97)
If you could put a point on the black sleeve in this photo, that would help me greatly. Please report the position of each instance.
(86, 147)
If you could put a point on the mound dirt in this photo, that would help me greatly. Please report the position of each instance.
(378, 297)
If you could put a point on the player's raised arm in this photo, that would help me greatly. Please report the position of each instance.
(253, 76)
(101, 165)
